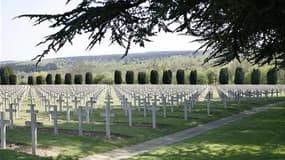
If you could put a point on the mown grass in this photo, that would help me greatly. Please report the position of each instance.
(258, 137)
(73, 146)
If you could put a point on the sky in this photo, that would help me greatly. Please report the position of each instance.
(19, 36)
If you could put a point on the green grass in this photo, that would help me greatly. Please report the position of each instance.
(75, 146)
(258, 137)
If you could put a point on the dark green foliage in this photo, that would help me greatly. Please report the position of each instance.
(193, 77)
(226, 29)
(142, 78)
(239, 76)
(167, 77)
(49, 79)
(12, 79)
(118, 77)
(5, 72)
(58, 79)
(88, 78)
(78, 79)
(180, 76)
(272, 76)
(39, 79)
(154, 77)
(67, 78)
(224, 76)
(255, 76)
(30, 80)
(130, 77)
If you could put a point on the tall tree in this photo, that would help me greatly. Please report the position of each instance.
(118, 77)
(78, 79)
(49, 79)
(239, 76)
(226, 29)
(88, 78)
(12, 79)
(39, 79)
(67, 78)
(130, 77)
(180, 76)
(272, 76)
(142, 78)
(5, 72)
(154, 77)
(30, 80)
(58, 79)
(255, 76)
(224, 76)
(193, 77)
(167, 77)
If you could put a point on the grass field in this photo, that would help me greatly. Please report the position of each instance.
(260, 137)
(73, 146)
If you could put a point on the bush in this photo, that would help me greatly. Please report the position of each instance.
(49, 79)
(142, 78)
(5, 72)
(193, 77)
(67, 78)
(78, 79)
(118, 77)
(30, 80)
(239, 76)
(13, 79)
(154, 78)
(167, 77)
(130, 77)
(272, 76)
(58, 79)
(224, 76)
(255, 76)
(180, 76)
(39, 79)
(88, 78)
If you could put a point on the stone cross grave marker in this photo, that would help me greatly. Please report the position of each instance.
(130, 114)
(163, 103)
(34, 124)
(153, 113)
(108, 115)
(3, 124)
(87, 113)
(187, 109)
(55, 118)
(68, 109)
(11, 110)
(171, 103)
(60, 101)
(79, 113)
(76, 100)
(223, 97)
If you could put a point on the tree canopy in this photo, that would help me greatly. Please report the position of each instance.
(245, 30)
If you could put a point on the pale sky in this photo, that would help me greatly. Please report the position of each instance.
(19, 37)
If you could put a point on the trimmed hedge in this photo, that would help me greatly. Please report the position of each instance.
(78, 79)
(255, 76)
(239, 76)
(193, 77)
(130, 77)
(180, 76)
(272, 76)
(142, 78)
(58, 79)
(118, 77)
(67, 78)
(30, 80)
(224, 76)
(154, 77)
(49, 79)
(88, 78)
(167, 77)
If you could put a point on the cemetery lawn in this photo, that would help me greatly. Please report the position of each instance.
(260, 136)
(73, 146)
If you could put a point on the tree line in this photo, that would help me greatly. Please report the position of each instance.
(239, 77)
(7, 76)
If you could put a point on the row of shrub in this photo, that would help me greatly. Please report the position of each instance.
(239, 77)
(77, 79)
(8, 77)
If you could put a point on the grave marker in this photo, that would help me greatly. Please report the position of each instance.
(3, 124)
